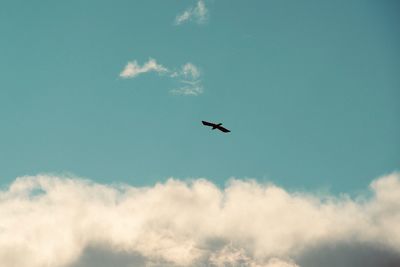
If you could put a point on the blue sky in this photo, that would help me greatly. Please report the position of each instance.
(310, 90)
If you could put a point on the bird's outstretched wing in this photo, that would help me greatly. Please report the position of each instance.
(222, 129)
(208, 123)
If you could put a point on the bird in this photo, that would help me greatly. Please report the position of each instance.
(215, 126)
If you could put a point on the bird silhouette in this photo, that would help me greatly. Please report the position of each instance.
(215, 126)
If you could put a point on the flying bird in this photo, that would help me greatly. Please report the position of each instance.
(215, 126)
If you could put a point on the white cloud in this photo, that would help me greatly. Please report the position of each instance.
(187, 77)
(133, 69)
(53, 221)
(193, 90)
(198, 14)
(190, 71)
(183, 17)
(189, 81)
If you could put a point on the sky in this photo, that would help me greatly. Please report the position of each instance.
(309, 89)
(114, 92)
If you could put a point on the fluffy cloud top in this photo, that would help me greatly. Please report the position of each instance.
(197, 14)
(53, 221)
(132, 69)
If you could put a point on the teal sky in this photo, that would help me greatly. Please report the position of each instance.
(310, 90)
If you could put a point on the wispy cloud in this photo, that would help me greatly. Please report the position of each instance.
(189, 80)
(198, 14)
(189, 90)
(186, 77)
(133, 69)
(56, 221)
(190, 71)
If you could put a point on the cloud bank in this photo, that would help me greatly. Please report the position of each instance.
(187, 76)
(58, 221)
(198, 14)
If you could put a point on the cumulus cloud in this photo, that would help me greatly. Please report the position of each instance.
(133, 69)
(198, 14)
(58, 222)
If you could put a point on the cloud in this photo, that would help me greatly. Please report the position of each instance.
(193, 90)
(133, 69)
(190, 71)
(186, 77)
(59, 221)
(198, 14)
(189, 80)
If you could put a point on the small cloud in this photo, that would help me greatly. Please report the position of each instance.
(190, 83)
(198, 14)
(183, 17)
(190, 71)
(133, 69)
(188, 90)
(187, 77)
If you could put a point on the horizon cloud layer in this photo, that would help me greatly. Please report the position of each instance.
(58, 221)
